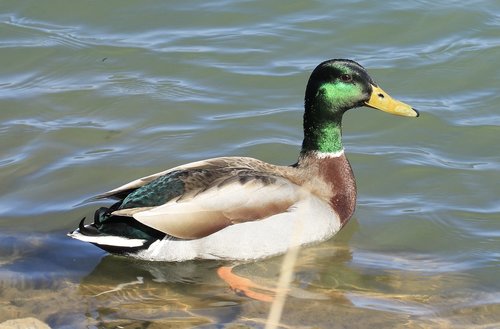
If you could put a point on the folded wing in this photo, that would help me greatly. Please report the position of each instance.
(196, 200)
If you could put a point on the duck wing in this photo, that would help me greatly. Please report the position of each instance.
(198, 199)
(215, 163)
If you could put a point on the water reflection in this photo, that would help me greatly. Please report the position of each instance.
(188, 293)
(329, 279)
(123, 290)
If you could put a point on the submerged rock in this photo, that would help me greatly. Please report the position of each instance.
(24, 323)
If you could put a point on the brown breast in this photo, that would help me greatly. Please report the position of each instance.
(337, 171)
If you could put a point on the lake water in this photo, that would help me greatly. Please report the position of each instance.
(94, 94)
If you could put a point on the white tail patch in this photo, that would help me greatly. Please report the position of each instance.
(108, 240)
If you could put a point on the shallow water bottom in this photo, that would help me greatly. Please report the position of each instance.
(328, 291)
(138, 304)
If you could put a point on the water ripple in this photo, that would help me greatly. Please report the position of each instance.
(94, 96)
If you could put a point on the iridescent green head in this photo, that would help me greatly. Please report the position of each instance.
(334, 87)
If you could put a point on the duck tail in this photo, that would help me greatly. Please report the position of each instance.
(105, 239)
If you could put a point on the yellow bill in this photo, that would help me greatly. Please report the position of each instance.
(381, 100)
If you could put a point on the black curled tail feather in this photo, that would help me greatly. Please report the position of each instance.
(100, 216)
(89, 230)
(105, 223)
(104, 213)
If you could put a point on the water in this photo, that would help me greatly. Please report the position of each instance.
(94, 94)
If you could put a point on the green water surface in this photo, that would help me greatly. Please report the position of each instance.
(94, 94)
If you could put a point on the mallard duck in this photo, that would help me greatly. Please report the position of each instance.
(240, 208)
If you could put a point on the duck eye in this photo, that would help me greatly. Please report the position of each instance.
(346, 77)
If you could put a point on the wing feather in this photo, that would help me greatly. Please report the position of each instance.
(245, 197)
(222, 162)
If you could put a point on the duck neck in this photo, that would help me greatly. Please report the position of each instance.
(322, 135)
(322, 146)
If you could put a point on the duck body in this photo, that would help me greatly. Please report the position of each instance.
(215, 209)
(239, 208)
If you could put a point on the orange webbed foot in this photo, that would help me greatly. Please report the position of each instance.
(244, 286)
